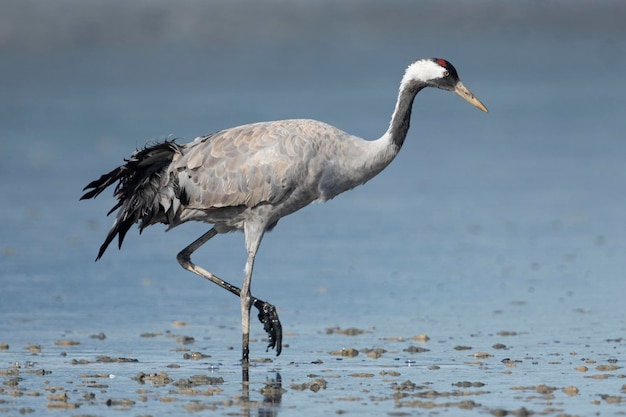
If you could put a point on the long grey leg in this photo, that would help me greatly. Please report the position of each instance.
(267, 312)
(253, 235)
(184, 259)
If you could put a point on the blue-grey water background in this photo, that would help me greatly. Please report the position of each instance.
(511, 221)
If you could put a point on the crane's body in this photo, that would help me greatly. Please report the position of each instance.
(263, 171)
(248, 177)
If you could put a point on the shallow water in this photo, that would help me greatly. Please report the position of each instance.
(500, 235)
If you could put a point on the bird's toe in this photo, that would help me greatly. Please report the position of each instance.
(269, 317)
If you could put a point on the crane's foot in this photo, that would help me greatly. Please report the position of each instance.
(269, 317)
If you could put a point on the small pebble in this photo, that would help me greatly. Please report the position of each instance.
(507, 333)
(607, 368)
(349, 352)
(66, 342)
(421, 338)
(185, 340)
(34, 348)
(415, 349)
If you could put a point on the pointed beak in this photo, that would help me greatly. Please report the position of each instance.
(462, 91)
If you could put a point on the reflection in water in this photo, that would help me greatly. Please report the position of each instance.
(272, 395)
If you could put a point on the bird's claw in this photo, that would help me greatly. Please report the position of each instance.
(269, 317)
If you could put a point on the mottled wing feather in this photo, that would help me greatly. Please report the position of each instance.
(247, 165)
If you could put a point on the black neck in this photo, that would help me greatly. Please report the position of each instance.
(401, 119)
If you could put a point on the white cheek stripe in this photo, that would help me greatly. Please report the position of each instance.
(422, 70)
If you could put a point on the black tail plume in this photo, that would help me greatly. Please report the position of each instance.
(141, 184)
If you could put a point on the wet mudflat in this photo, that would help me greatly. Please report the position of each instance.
(481, 274)
(573, 366)
(176, 371)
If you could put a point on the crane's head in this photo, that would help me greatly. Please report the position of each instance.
(439, 73)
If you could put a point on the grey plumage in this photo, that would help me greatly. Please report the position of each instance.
(248, 177)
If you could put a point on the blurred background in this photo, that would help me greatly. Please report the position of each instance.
(525, 200)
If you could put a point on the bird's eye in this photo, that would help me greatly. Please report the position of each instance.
(446, 73)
